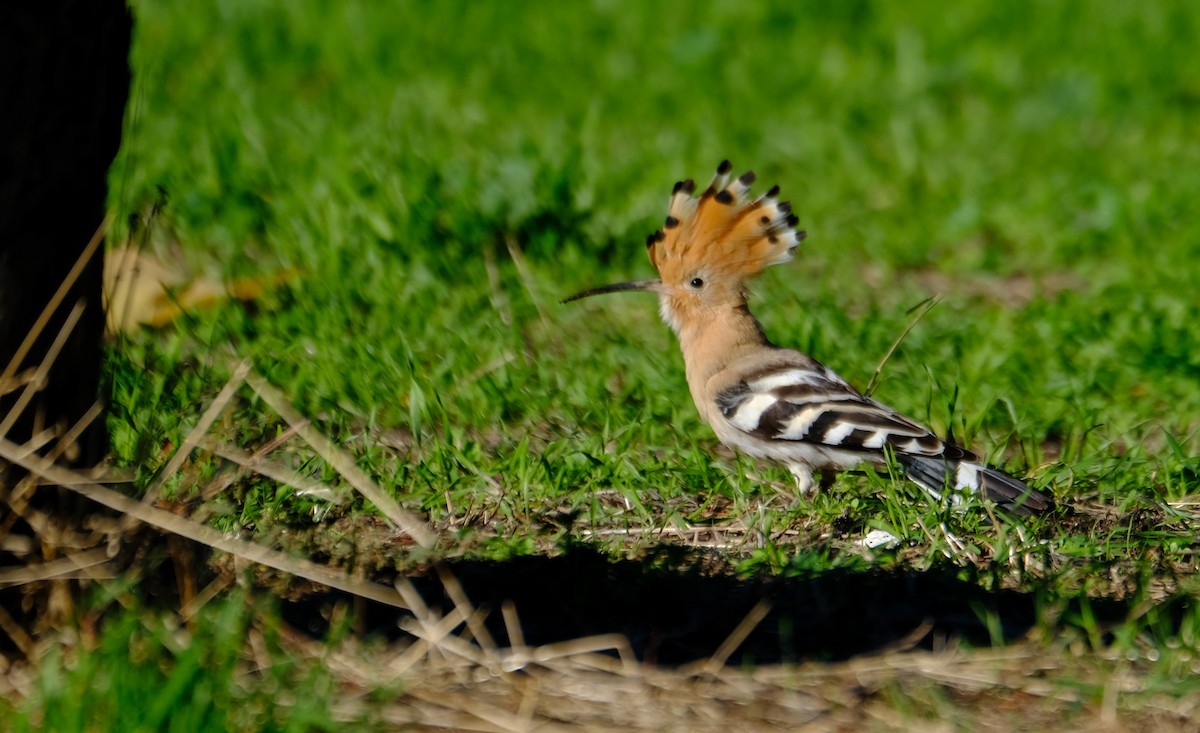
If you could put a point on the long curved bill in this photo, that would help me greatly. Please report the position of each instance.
(653, 286)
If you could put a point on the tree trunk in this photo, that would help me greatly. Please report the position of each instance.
(64, 82)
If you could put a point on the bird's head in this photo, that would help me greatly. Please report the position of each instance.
(710, 245)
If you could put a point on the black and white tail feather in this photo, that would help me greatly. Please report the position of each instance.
(935, 474)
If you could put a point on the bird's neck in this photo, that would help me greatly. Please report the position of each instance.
(712, 343)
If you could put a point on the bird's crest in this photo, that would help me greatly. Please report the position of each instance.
(723, 230)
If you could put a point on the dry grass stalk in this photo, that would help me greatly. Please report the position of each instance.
(499, 299)
(223, 398)
(43, 370)
(195, 531)
(473, 617)
(16, 632)
(68, 440)
(50, 530)
(526, 275)
(343, 463)
(53, 569)
(716, 662)
(55, 301)
(201, 599)
(17, 381)
(733, 535)
(256, 462)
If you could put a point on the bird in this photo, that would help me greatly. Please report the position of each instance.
(771, 402)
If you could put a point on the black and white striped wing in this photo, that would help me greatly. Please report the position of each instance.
(816, 406)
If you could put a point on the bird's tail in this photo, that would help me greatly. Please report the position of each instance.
(935, 474)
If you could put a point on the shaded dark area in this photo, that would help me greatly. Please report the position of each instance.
(64, 81)
(673, 617)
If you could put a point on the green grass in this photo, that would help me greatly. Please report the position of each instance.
(1035, 163)
(142, 673)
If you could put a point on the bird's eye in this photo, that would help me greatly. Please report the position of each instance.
(697, 283)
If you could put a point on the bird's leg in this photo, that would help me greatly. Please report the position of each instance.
(828, 479)
(804, 480)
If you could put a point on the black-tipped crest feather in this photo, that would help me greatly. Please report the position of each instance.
(722, 230)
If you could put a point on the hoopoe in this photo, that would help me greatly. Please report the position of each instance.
(765, 400)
